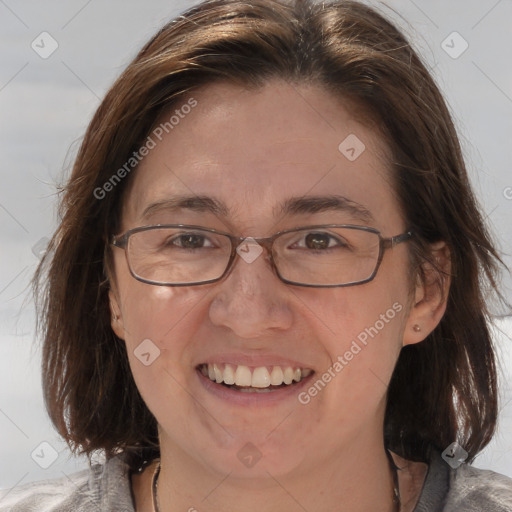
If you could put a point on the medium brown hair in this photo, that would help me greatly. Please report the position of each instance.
(443, 389)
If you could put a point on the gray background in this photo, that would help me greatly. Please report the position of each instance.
(45, 106)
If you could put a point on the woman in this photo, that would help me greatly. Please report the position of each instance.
(267, 288)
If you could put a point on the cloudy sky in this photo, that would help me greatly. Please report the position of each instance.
(57, 60)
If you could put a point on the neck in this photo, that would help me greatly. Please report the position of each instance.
(356, 479)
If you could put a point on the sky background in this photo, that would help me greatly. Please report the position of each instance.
(46, 104)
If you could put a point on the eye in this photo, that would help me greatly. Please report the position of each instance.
(190, 241)
(319, 241)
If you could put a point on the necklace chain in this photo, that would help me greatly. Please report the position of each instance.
(396, 488)
(154, 488)
(394, 469)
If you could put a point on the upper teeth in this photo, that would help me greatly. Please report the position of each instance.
(259, 377)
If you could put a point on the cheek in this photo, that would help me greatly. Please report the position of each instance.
(373, 310)
(366, 334)
(366, 326)
(152, 312)
(362, 349)
(158, 324)
(147, 307)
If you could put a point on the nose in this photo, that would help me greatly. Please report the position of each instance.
(251, 300)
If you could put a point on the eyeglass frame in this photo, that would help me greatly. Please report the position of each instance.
(121, 242)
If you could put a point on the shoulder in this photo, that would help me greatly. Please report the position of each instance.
(466, 488)
(102, 487)
(473, 489)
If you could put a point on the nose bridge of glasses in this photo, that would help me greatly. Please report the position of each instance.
(251, 248)
(263, 242)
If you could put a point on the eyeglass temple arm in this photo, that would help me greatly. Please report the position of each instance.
(398, 239)
(118, 241)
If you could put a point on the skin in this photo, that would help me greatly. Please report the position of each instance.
(251, 150)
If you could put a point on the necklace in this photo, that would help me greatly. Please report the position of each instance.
(154, 488)
(394, 470)
(396, 487)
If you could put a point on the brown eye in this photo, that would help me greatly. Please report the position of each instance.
(318, 241)
(190, 241)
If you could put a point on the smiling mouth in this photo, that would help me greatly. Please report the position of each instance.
(262, 379)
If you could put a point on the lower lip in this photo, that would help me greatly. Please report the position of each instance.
(253, 398)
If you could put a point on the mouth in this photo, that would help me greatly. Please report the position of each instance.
(261, 379)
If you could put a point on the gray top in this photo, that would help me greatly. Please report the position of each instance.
(106, 488)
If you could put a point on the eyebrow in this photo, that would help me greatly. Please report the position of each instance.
(194, 203)
(292, 206)
(318, 204)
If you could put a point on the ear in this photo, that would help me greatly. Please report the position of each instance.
(430, 296)
(116, 317)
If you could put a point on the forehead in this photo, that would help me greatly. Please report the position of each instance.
(254, 151)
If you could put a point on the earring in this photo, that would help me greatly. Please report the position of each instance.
(416, 328)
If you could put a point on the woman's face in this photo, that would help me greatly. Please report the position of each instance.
(252, 153)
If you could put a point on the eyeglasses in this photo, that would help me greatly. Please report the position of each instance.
(317, 256)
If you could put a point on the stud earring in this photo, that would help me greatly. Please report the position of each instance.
(416, 328)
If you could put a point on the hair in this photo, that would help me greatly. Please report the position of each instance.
(442, 389)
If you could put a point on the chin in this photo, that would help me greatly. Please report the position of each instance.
(255, 460)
